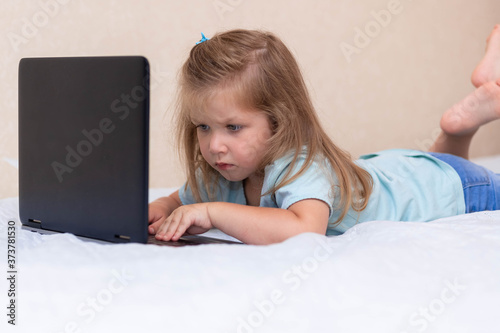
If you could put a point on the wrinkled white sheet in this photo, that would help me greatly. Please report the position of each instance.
(441, 276)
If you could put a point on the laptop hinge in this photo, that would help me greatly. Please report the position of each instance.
(123, 237)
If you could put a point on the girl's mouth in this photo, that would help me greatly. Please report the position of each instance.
(223, 166)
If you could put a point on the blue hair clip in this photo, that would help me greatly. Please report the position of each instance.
(203, 39)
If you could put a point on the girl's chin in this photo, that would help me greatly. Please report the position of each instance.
(230, 177)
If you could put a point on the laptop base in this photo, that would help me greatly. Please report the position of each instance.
(183, 241)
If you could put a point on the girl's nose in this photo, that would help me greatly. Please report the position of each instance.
(217, 144)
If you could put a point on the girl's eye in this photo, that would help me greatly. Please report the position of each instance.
(234, 128)
(202, 127)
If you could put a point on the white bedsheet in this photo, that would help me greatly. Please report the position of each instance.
(441, 276)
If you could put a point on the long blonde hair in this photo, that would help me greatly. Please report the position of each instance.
(262, 72)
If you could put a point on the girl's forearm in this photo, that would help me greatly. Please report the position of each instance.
(170, 203)
(256, 225)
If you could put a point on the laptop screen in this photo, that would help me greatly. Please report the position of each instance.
(83, 146)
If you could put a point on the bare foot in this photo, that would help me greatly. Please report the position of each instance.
(475, 110)
(489, 67)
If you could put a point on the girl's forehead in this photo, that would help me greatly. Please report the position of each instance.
(222, 104)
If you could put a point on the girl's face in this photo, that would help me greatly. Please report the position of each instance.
(232, 138)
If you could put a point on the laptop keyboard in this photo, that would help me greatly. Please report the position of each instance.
(180, 242)
(188, 240)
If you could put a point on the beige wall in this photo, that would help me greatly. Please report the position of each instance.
(389, 92)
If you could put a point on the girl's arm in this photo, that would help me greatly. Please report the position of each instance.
(251, 225)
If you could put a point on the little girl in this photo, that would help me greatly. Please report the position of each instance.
(261, 168)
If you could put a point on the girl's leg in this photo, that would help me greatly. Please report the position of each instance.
(461, 121)
(488, 68)
(449, 144)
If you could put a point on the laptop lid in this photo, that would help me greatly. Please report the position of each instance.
(83, 146)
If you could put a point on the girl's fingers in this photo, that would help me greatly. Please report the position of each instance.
(155, 226)
(181, 219)
(172, 228)
(162, 232)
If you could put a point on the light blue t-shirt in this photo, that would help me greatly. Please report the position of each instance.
(408, 185)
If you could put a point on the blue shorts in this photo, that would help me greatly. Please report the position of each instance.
(481, 186)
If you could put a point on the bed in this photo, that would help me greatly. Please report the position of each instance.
(440, 276)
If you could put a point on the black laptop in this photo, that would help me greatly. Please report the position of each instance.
(83, 148)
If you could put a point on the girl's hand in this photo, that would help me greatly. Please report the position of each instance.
(157, 213)
(192, 218)
(160, 209)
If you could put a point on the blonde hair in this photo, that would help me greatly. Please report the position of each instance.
(262, 73)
